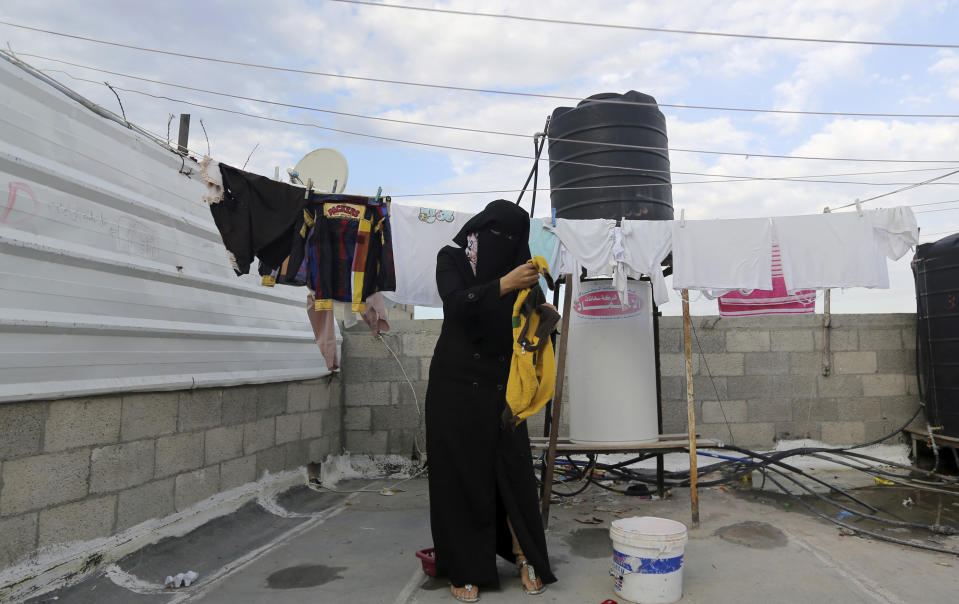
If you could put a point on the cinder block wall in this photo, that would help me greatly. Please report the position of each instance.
(766, 382)
(79, 469)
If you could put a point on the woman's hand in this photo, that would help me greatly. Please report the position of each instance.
(521, 277)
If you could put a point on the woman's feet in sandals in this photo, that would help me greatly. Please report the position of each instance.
(532, 584)
(467, 593)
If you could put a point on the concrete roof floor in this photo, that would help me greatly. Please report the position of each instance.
(359, 547)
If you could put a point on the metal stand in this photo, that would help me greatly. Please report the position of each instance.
(666, 442)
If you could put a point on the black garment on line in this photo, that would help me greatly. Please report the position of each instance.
(479, 473)
(256, 217)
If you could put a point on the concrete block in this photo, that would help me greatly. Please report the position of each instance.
(19, 538)
(899, 408)
(859, 409)
(754, 434)
(326, 394)
(675, 364)
(312, 424)
(791, 340)
(890, 384)
(179, 453)
(148, 415)
(425, 363)
(272, 460)
(21, 429)
(793, 386)
(723, 364)
(259, 435)
(876, 429)
(843, 433)
(80, 521)
(815, 409)
(766, 363)
(805, 363)
(675, 416)
(708, 336)
(912, 385)
(671, 341)
(840, 386)
(121, 466)
(401, 394)
(708, 389)
(880, 339)
(320, 448)
(799, 429)
(718, 432)
(79, 423)
(298, 397)
(239, 405)
(419, 344)
(896, 361)
(145, 502)
(741, 340)
(37, 482)
(406, 443)
(363, 345)
(297, 454)
(840, 339)
(196, 486)
(368, 393)
(287, 428)
(388, 370)
(366, 442)
(909, 338)
(200, 409)
(749, 387)
(272, 400)
(237, 472)
(358, 369)
(720, 412)
(223, 443)
(770, 410)
(358, 418)
(854, 362)
(394, 417)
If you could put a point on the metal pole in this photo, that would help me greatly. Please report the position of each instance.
(557, 402)
(690, 412)
(826, 330)
(660, 470)
(184, 136)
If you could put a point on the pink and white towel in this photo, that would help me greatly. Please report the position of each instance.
(776, 301)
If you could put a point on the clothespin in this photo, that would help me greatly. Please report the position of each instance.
(682, 218)
(276, 173)
(554, 217)
(826, 210)
(309, 187)
(335, 182)
(859, 208)
(379, 192)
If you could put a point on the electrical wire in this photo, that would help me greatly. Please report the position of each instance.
(646, 29)
(729, 178)
(912, 186)
(470, 130)
(464, 88)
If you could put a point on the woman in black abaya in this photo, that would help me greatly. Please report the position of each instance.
(483, 498)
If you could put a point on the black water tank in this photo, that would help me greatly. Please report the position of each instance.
(631, 182)
(936, 270)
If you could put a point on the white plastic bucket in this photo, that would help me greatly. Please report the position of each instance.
(648, 559)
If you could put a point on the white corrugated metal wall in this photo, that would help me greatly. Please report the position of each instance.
(113, 276)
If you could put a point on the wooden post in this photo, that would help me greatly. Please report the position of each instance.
(557, 402)
(690, 412)
(826, 330)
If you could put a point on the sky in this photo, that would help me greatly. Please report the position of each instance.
(383, 42)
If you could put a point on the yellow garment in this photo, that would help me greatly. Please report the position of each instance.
(532, 374)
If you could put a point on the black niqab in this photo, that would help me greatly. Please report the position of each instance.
(502, 231)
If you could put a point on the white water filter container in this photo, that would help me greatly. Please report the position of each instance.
(612, 365)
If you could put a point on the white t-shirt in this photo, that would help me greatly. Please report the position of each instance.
(418, 235)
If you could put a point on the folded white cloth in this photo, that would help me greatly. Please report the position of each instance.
(820, 251)
(895, 230)
(717, 256)
(645, 244)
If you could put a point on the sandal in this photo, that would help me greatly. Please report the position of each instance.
(469, 587)
(531, 576)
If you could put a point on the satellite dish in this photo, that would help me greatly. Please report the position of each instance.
(325, 167)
